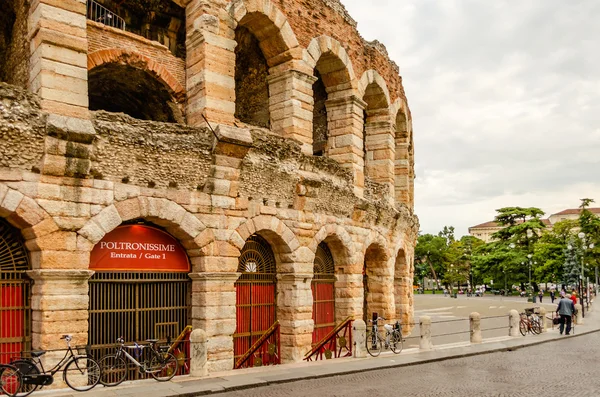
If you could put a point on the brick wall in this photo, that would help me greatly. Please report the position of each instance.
(102, 37)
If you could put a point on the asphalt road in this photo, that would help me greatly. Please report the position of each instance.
(567, 367)
(451, 316)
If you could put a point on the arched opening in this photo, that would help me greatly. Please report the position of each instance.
(251, 87)
(402, 165)
(140, 290)
(256, 291)
(323, 292)
(15, 306)
(320, 129)
(374, 130)
(119, 87)
(376, 284)
(403, 291)
(14, 47)
(411, 173)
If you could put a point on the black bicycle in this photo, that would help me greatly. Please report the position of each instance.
(80, 371)
(157, 361)
(10, 380)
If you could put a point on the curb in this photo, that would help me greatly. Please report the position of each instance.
(350, 372)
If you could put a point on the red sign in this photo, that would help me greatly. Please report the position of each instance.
(139, 247)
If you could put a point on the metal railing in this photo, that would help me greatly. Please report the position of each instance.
(98, 13)
(338, 341)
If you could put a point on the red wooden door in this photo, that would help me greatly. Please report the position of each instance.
(12, 322)
(323, 309)
(323, 291)
(255, 296)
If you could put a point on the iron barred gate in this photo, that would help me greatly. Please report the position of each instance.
(137, 306)
(255, 295)
(323, 290)
(15, 307)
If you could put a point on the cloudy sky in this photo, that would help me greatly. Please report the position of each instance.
(505, 98)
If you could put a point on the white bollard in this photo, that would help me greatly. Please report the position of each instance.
(425, 329)
(359, 337)
(579, 316)
(542, 315)
(475, 326)
(513, 323)
(198, 353)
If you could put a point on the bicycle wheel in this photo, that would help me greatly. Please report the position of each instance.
(536, 327)
(373, 344)
(26, 367)
(10, 380)
(163, 366)
(396, 342)
(523, 327)
(113, 370)
(82, 373)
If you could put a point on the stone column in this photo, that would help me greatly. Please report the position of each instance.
(230, 146)
(401, 169)
(579, 316)
(294, 312)
(58, 67)
(291, 104)
(348, 297)
(380, 147)
(475, 327)
(213, 310)
(60, 303)
(210, 68)
(403, 298)
(542, 317)
(345, 142)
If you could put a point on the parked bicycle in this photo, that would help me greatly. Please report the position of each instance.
(157, 362)
(80, 371)
(392, 341)
(10, 380)
(530, 322)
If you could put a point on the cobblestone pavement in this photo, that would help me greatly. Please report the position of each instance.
(565, 367)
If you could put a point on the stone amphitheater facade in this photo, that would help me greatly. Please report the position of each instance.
(234, 156)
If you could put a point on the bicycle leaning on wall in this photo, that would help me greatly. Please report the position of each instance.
(392, 340)
(80, 371)
(157, 362)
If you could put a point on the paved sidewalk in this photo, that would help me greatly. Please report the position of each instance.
(253, 377)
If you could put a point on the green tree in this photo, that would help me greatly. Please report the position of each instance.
(549, 251)
(572, 269)
(431, 251)
(590, 225)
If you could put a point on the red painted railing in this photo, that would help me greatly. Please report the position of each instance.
(338, 343)
(265, 351)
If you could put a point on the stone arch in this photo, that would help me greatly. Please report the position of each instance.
(269, 25)
(127, 81)
(377, 279)
(36, 225)
(175, 219)
(378, 135)
(283, 241)
(335, 78)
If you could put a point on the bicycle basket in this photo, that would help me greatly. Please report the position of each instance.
(83, 350)
(529, 311)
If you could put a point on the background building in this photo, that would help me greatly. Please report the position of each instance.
(229, 165)
(485, 230)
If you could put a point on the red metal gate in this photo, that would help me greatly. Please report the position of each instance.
(15, 309)
(323, 290)
(255, 296)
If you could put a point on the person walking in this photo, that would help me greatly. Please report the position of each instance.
(565, 309)
(574, 297)
(552, 296)
(541, 295)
